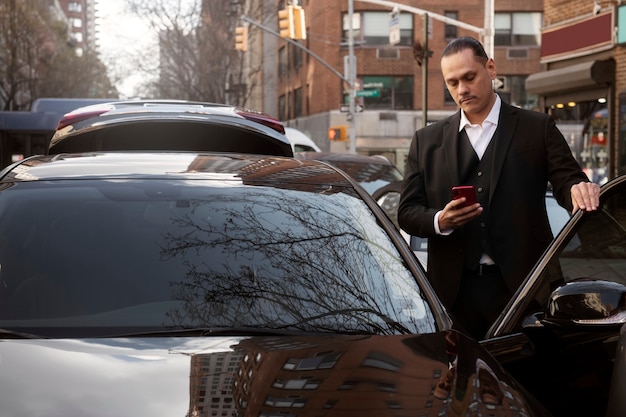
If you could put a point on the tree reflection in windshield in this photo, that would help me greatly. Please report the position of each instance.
(284, 260)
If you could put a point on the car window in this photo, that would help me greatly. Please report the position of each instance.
(597, 248)
(147, 253)
(594, 249)
(389, 202)
(303, 148)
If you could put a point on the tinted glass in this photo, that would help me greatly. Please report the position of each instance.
(371, 176)
(154, 254)
(594, 249)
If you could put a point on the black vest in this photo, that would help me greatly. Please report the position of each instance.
(476, 172)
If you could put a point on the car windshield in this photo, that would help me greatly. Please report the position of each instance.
(371, 176)
(151, 254)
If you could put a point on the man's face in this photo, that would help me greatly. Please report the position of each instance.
(469, 81)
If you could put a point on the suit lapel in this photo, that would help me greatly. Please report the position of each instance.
(507, 123)
(451, 150)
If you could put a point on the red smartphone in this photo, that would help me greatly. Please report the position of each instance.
(466, 191)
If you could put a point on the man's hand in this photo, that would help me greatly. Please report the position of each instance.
(454, 215)
(585, 196)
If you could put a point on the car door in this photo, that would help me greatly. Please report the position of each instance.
(559, 334)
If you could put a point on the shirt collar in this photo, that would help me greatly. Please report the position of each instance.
(492, 117)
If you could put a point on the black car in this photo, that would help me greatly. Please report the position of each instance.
(169, 125)
(240, 285)
(379, 176)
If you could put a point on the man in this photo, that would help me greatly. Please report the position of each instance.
(479, 255)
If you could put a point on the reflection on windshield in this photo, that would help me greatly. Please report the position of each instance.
(155, 254)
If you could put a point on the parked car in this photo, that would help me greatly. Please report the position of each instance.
(300, 142)
(189, 283)
(171, 125)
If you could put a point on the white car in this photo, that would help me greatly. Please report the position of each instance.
(300, 142)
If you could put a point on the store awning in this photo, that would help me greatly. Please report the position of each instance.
(574, 77)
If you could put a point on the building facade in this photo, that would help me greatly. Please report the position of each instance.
(583, 84)
(310, 82)
(81, 18)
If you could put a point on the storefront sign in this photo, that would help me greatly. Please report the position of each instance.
(586, 36)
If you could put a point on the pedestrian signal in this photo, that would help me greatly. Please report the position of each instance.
(338, 133)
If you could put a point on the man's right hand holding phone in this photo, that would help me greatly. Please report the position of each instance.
(460, 210)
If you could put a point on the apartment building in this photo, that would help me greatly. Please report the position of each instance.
(310, 84)
(81, 17)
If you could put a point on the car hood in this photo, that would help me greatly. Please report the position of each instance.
(251, 376)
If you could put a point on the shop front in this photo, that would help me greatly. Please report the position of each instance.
(579, 90)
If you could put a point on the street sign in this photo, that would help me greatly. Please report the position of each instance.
(368, 93)
(345, 108)
(499, 83)
(349, 67)
(394, 27)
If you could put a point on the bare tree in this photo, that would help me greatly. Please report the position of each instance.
(25, 46)
(197, 55)
(37, 58)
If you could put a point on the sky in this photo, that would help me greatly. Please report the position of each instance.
(122, 38)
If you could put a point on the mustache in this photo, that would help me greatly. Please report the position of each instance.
(465, 98)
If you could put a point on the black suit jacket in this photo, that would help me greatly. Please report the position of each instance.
(529, 152)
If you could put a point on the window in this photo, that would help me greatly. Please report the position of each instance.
(372, 28)
(75, 7)
(316, 362)
(386, 92)
(586, 126)
(450, 31)
(282, 108)
(447, 97)
(382, 361)
(297, 56)
(297, 384)
(282, 62)
(514, 92)
(517, 29)
(293, 402)
(297, 105)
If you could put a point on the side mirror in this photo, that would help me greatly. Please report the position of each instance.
(587, 302)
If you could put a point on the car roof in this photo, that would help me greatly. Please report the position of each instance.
(300, 141)
(243, 168)
(161, 125)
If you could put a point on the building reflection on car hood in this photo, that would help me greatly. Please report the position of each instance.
(414, 375)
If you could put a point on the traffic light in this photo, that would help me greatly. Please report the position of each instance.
(291, 22)
(299, 24)
(285, 22)
(338, 133)
(241, 38)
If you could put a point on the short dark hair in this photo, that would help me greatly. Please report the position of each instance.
(467, 42)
